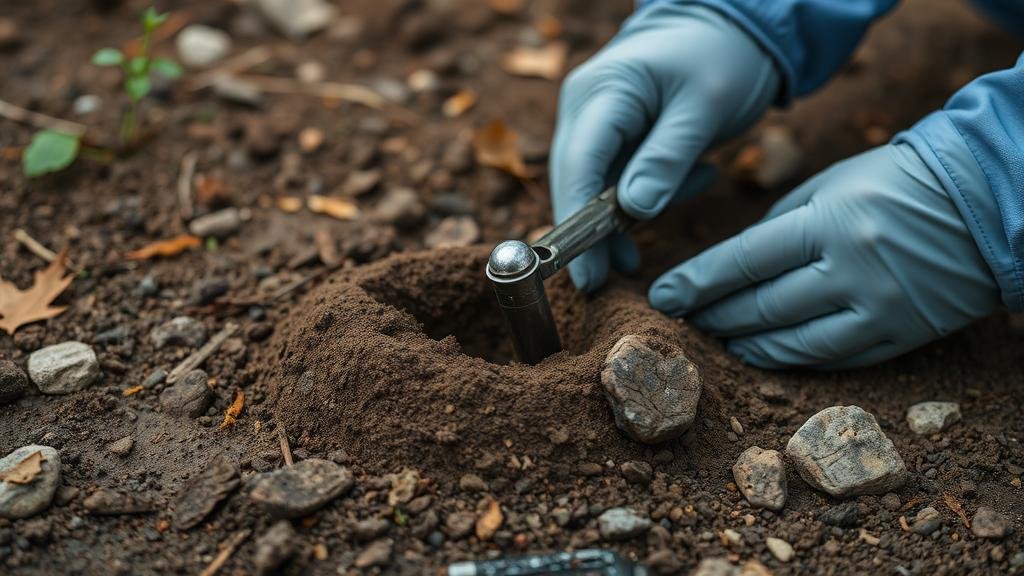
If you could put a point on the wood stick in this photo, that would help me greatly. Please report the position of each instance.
(235, 65)
(355, 93)
(226, 550)
(196, 359)
(286, 450)
(40, 120)
(188, 170)
(36, 247)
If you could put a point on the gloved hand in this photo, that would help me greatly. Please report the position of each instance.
(675, 80)
(863, 262)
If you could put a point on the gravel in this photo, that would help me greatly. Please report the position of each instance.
(761, 477)
(25, 500)
(63, 368)
(842, 451)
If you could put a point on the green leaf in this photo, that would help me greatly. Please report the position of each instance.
(167, 68)
(138, 65)
(137, 87)
(151, 19)
(50, 151)
(108, 57)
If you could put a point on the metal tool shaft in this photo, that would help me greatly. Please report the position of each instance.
(517, 272)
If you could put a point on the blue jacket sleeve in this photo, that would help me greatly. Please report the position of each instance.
(975, 145)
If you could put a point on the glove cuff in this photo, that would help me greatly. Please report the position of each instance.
(948, 155)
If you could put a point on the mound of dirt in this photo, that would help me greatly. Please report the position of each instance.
(408, 360)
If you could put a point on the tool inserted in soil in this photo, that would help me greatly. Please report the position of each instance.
(518, 271)
(581, 563)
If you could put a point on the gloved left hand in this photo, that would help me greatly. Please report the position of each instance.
(864, 262)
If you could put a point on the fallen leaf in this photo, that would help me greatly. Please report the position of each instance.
(547, 62)
(132, 390)
(20, 307)
(233, 411)
(289, 204)
(333, 207)
(497, 146)
(457, 104)
(507, 7)
(953, 504)
(26, 470)
(170, 247)
(489, 522)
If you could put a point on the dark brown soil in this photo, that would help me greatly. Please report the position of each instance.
(387, 348)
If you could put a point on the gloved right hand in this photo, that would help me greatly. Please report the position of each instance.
(674, 81)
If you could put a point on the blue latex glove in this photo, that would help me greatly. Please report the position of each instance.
(863, 262)
(675, 80)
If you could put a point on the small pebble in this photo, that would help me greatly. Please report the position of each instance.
(779, 548)
(987, 523)
(201, 46)
(932, 417)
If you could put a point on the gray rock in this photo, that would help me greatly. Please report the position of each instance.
(202, 494)
(779, 548)
(13, 382)
(472, 483)
(180, 331)
(987, 523)
(297, 18)
(401, 207)
(842, 451)
(200, 46)
(300, 489)
(238, 91)
(845, 515)
(63, 368)
(86, 104)
(932, 417)
(190, 396)
(274, 547)
(24, 500)
(121, 447)
(761, 477)
(637, 472)
(926, 521)
(369, 529)
(107, 502)
(621, 524)
(219, 224)
(378, 553)
(653, 397)
(715, 567)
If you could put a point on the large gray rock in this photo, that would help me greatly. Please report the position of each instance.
(63, 368)
(932, 417)
(13, 382)
(621, 524)
(761, 477)
(190, 396)
(653, 397)
(30, 498)
(300, 489)
(843, 451)
(297, 18)
(199, 46)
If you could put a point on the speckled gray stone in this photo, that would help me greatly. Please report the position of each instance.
(63, 368)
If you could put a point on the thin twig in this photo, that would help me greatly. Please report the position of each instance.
(37, 248)
(196, 359)
(39, 120)
(354, 93)
(226, 550)
(235, 65)
(286, 450)
(188, 169)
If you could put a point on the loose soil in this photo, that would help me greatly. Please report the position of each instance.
(400, 362)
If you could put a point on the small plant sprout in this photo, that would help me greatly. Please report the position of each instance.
(137, 70)
(50, 151)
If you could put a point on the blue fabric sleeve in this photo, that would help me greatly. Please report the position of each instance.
(975, 144)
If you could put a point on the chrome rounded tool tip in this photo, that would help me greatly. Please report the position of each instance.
(511, 258)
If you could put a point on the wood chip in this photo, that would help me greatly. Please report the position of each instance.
(234, 411)
(459, 103)
(289, 204)
(133, 390)
(337, 208)
(169, 247)
(953, 504)
(547, 62)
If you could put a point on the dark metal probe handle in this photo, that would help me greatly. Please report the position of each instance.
(597, 220)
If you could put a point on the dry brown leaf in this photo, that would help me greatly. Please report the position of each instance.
(233, 411)
(457, 104)
(489, 522)
(26, 470)
(170, 247)
(547, 62)
(333, 207)
(507, 7)
(132, 390)
(953, 504)
(20, 307)
(497, 146)
(289, 204)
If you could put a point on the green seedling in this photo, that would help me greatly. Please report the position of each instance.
(50, 151)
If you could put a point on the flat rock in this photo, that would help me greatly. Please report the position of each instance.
(24, 500)
(987, 523)
(108, 502)
(621, 524)
(189, 397)
(300, 489)
(13, 382)
(202, 494)
(761, 477)
(653, 397)
(200, 46)
(179, 331)
(842, 451)
(297, 18)
(274, 547)
(63, 368)
(932, 417)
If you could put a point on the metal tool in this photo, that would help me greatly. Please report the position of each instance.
(581, 563)
(518, 271)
